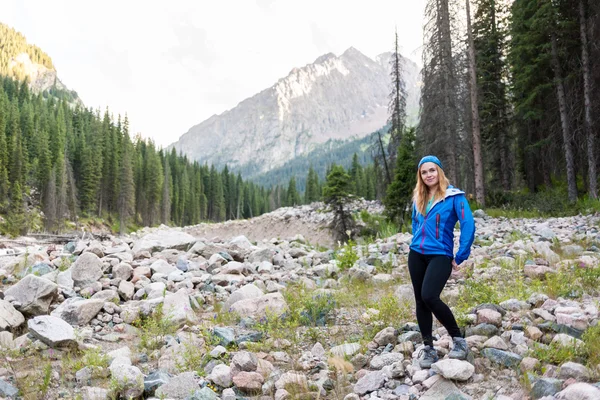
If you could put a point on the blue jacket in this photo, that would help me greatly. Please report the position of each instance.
(434, 233)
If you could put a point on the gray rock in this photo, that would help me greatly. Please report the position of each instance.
(386, 336)
(515, 305)
(164, 239)
(38, 269)
(454, 369)
(178, 308)
(257, 307)
(545, 387)
(106, 296)
(382, 360)
(221, 375)
(293, 382)
(574, 370)
(228, 394)
(318, 350)
(10, 318)
(128, 380)
(8, 390)
(505, 358)
(479, 213)
(226, 335)
(155, 290)
(346, 349)
(373, 380)
(122, 271)
(178, 387)
(64, 280)
(34, 294)
(162, 267)
(218, 351)
(6, 340)
(83, 376)
(242, 241)
(405, 294)
(261, 255)
(94, 393)
(53, 331)
(443, 389)
(86, 270)
(244, 361)
(126, 290)
(488, 330)
(579, 391)
(78, 311)
(203, 394)
(248, 291)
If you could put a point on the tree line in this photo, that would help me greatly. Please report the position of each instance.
(60, 163)
(72, 162)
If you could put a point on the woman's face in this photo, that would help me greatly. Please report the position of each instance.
(429, 174)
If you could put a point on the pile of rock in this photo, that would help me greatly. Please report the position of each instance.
(90, 294)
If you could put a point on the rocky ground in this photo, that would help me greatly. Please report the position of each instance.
(189, 314)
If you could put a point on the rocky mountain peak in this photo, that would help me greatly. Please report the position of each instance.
(335, 97)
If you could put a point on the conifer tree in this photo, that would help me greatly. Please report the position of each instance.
(337, 194)
(292, 195)
(397, 106)
(126, 200)
(399, 193)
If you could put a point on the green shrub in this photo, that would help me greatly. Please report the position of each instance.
(316, 309)
(591, 338)
(154, 328)
(346, 256)
(557, 354)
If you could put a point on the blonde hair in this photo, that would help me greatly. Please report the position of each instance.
(420, 194)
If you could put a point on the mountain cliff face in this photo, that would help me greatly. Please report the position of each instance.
(332, 98)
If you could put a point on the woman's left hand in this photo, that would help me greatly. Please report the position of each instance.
(454, 265)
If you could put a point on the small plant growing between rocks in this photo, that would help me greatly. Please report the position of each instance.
(154, 328)
(346, 256)
(557, 354)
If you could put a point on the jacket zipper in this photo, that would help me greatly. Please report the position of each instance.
(437, 226)
(423, 232)
(462, 210)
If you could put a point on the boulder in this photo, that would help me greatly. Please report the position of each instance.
(86, 270)
(33, 294)
(51, 330)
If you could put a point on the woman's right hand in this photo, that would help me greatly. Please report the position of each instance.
(454, 265)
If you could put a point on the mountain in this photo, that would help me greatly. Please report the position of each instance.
(333, 98)
(20, 60)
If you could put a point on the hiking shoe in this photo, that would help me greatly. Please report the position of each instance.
(460, 349)
(430, 356)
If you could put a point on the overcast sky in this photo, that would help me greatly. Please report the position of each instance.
(170, 65)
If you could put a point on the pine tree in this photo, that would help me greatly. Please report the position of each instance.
(126, 201)
(165, 213)
(440, 114)
(397, 105)
(292, 195)
(399, 193)
(336, 194)
(490, 43)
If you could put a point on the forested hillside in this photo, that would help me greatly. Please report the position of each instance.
(13, 43)
(73, 162)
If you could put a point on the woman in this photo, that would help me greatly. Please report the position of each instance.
(436, 208)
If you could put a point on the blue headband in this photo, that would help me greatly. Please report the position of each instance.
(432, 159)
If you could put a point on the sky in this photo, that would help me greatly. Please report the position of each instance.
(171, 65)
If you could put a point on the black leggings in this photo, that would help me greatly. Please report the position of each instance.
(429, 274)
